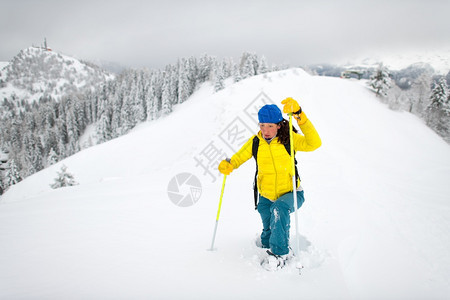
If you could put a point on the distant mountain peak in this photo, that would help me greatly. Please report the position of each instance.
(37, 72)
(439, 60)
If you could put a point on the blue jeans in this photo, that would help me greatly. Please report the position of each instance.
(276, 221)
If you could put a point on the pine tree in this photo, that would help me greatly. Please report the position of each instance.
(218, 78)
(247, 66)
(262, 66)
(104, 132)
(52, 157)
(184, 82)
(140, 101)
(62, 152)
(227, 68)
(174, 84)
(236, 74)
(439, 96)
(380, 81)
(419, 94)
(204, 69)
(27, 154)
(38, 153)
(438, 111)
(64, 179)
(166, 95)
(116, 121)
(79, 112)
(12, 175)
(2, 183)
(157, 84)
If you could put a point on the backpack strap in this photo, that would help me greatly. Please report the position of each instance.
(255, 147)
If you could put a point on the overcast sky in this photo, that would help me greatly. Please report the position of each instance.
(155, 33)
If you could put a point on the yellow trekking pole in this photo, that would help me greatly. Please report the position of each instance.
(294, 193)
(218, 212)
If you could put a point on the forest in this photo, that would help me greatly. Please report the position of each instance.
(37, 134)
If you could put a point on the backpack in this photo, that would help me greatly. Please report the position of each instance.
(255, 147)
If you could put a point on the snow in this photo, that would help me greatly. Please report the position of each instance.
(374, 225)
(439, 59)
(3, 64)
(54, 74)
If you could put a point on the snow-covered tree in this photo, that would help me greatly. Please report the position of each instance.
(236, 74)
(419, 93)
(439, 96)
(127, 117)
(103, 129)
(45, 131)
(227, 67)
(52, 157)
(12, 175)
(218, 78)
(152, 99)
(64, 179)
(166, 96)
(184, 81)
(169, 89)
(248, 66)
(37, 154)
(141, 93)
(262, 66)
(438, 112)
(205, 66)
(2, 183)
(380, 81)
(116, 121)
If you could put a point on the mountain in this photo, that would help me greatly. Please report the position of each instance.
(3, 64)
(374, 225)
(439, 60)
(38, 72)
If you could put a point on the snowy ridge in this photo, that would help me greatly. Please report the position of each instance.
(374, 225)
(439, 60)
(37, 72)
(3, 64)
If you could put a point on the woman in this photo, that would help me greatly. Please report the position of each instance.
(274, 180)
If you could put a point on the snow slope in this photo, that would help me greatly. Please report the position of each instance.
(374, 225)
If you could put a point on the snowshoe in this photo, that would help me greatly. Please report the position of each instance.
(274, 262)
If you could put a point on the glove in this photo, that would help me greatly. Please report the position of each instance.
(225, 167)
(290, 106)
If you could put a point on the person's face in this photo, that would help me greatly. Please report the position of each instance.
(269, 130)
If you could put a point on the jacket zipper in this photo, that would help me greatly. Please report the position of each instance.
(276, 175)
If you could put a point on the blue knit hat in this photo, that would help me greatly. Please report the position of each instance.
(270, 113)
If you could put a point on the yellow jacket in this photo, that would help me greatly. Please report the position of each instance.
(274, 162)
